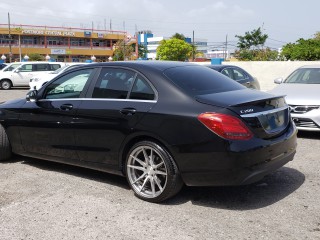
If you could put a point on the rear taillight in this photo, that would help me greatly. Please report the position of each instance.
(226, 126)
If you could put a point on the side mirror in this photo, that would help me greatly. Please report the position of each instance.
(278, 81)
(32, 96)
(16, 70)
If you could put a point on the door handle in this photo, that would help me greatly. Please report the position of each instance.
(66, 107)
(128, 111)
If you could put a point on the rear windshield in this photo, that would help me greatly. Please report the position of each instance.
(199, 80)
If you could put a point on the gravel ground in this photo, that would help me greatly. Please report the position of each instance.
(44, 200)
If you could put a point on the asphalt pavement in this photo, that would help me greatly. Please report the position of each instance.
(46, 200)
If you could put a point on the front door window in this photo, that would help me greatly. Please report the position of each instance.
(68, 86)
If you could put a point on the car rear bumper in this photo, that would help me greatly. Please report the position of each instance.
(235, 176)
(241, 167)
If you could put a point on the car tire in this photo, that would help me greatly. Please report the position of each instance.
(5, 84)
(152, 172)
(5, 147)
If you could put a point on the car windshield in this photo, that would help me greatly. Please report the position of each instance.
(198, 80)
(11, 67)
(305, 76)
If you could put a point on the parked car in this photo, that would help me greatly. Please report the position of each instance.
(301, 89)
(2, 65)
(21, 75)
(160, 124)
(41, 79)
(238, 74)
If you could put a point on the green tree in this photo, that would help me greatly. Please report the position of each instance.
(251, 47)
(122, 51)
(142, 51)
(174, 49)
(179, 36)
(303, 50)
(317, 36)
(257, 55)
(35, 57)
(252, 40)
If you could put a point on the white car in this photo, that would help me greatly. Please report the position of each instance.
(301, 89)
(37, 82)
(21, 75)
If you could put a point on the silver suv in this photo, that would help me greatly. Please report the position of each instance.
(20, 76)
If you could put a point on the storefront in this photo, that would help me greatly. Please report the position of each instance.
(58, 44)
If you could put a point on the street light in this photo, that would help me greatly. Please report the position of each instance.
(47, 57)
(26, 57)
(3, 57)
(93, 58)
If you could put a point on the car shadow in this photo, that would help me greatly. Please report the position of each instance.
(268, 191)
(81, 172)
(309, 135)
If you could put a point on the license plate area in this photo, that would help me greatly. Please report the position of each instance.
(274, 122)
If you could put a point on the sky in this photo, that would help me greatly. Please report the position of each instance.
(284, 21)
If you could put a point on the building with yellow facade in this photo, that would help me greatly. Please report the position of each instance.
(58, 43)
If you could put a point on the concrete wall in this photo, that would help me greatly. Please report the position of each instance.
(267, 71)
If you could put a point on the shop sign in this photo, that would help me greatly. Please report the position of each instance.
(58, 51)
(87, 34)
(54, 33)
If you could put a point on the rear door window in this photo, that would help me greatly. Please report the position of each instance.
(113, 83)
(41, 67)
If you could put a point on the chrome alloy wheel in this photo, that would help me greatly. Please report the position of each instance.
(147, 171)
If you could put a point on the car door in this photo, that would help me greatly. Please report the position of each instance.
(114, 106)
(22, 75)
(47, 125)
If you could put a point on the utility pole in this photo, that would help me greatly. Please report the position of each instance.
(193, 46)
(137, 43)
(124, 41)
(226, 47)
(10, 53)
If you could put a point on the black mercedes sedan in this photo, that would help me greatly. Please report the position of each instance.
(238, 74)
(159, 124)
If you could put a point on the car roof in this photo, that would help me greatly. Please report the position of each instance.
(311, 66)
(160, 65)
(34, 62)
(220, 66)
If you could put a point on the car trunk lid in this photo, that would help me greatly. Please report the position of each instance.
(267, 115)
